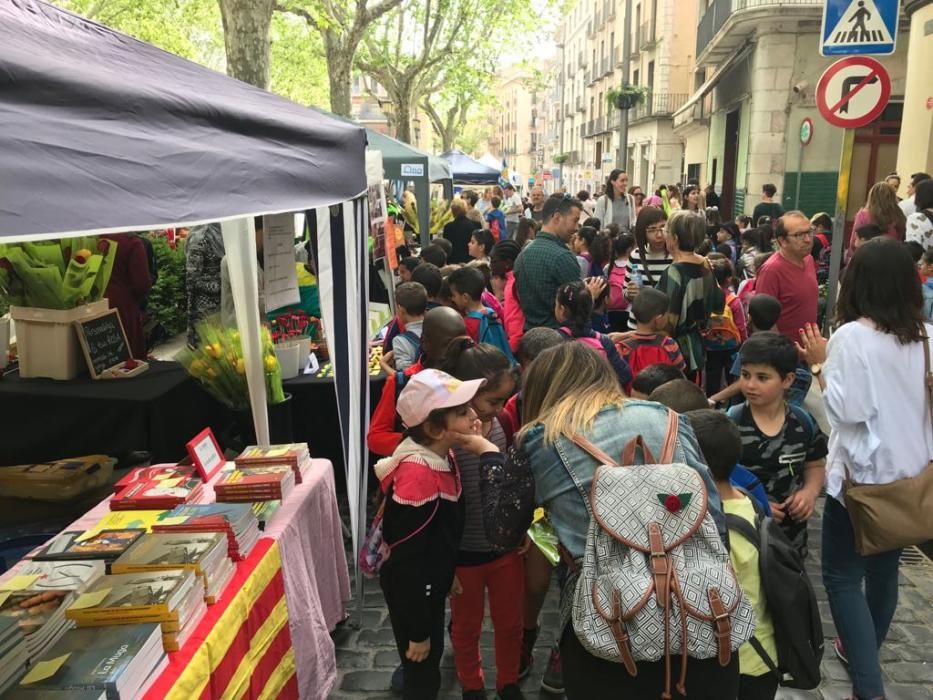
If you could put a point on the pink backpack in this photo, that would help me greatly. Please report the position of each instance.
(618, 281)
(598, 343)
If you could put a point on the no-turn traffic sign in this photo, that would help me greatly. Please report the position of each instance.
(853, 92)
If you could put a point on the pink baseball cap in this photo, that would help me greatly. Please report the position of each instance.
(430, 390)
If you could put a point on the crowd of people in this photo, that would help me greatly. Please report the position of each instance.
(530, 349)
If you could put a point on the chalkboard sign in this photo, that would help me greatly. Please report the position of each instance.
(104, 342)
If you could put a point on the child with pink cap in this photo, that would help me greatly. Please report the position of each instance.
(423, 518)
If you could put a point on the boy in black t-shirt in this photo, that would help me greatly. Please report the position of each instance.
(781, 444)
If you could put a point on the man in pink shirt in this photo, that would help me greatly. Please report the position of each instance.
(790, 277)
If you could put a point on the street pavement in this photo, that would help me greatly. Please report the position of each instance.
(367, 656)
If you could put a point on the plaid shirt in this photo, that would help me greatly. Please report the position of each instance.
(541, 268)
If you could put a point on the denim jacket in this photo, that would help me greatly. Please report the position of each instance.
(563, 472)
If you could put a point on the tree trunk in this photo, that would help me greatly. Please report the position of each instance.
(246, 39)
(339, 72)
(447, 140)
(403, 116)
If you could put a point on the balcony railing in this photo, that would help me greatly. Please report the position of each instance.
(609, 9)
(614, 61)
(589, 28)
(579, 104)
(720, 10)
(648, 36)
(613, 120)
(599, 126)
(658, 104)
(606, 66)
(636, 43)
(573, 157)
(581, 60)
(588, 77)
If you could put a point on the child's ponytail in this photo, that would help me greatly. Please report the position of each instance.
(576, 298)
(468, 360)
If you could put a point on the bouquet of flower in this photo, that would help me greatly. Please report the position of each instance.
(60, 274)
(217, 363)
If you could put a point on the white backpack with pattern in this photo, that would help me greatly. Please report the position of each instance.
(656, 579)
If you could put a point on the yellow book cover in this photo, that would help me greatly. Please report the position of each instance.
(126, 519)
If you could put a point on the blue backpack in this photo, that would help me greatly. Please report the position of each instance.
(492, 332)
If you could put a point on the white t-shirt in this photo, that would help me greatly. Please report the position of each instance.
(908, 206)
(877, 405)
(920, 229)
(513, 201)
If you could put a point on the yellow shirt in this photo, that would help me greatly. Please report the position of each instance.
(745, 561)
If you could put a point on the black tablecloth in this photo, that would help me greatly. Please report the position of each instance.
(315, 419)
(159, 411)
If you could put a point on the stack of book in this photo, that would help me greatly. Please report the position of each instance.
(246, 485)
(162, 492)
(41, 593)
(157, 472)
(13, 654)
(236, 520)
(104, 546)
(203, 552)
(173, 598)
(295, 455)
(114, 662)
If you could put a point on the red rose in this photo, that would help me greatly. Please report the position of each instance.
(130, 364)
(672, 503)
(103, 245)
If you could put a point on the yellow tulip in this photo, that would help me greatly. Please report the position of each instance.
(212, 373)
(271, 363)
(240, 367)
(214, 350)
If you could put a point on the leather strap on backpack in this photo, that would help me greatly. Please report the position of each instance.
(723, 627)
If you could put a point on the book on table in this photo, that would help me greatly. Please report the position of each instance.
(156, 472)
(117, 661)
(205, 553)
(296, 455)
(146, 596)
(236, 520)
(263, 483)
(157, 494)
(13, 653)
(41, 593)
(105, 545)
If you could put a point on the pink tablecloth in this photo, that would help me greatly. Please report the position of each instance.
(314, 564)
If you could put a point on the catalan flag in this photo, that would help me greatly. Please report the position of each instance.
(242, 648)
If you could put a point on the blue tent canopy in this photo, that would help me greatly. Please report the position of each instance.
(468, 171)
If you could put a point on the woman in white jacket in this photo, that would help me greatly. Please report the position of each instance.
(872, 375)
(617, 205)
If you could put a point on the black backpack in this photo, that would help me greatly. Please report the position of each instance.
(798, 631)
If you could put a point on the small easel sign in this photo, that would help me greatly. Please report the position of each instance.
(106, 348)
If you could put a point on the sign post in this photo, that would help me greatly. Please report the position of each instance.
(851, 93)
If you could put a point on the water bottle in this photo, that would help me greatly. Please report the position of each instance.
(636, 277)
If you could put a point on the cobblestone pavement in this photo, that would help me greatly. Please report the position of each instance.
(366, 656)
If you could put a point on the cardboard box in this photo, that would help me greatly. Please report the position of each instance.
(46, 342)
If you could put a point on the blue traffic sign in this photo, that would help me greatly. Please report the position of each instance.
(852, 27)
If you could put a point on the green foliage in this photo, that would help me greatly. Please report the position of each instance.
(168, 298)
(187, 28)
(627, 96)
(298, 65)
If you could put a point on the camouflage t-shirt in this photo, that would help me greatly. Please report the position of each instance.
(778, 461)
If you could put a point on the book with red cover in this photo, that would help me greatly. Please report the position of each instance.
(157, 494)
(265, 483)
(154, 473)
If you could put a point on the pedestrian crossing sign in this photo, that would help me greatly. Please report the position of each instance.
(859, 27)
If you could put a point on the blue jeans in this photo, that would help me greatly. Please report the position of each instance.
(862, 617)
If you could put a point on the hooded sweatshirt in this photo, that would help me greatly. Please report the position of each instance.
(423, 524)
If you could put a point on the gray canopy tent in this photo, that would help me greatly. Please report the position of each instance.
(104, 133)
(404, 163)
(469, 171)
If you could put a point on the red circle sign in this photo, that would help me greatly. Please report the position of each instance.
(853, 92)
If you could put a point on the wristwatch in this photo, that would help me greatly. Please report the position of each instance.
(816, 369)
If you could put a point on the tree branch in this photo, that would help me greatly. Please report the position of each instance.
(302, 13)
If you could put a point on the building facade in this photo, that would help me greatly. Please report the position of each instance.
(757, 67)
(661, 52)
(519, 121)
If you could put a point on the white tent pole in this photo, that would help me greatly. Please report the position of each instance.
(240, 251)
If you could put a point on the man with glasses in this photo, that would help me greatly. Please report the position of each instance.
(790, 277)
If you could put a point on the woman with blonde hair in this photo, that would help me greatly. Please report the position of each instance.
(570, 390)
(882, 210)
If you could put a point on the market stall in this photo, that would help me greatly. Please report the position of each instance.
(404, 163)
(107, 134)
(468, 171)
